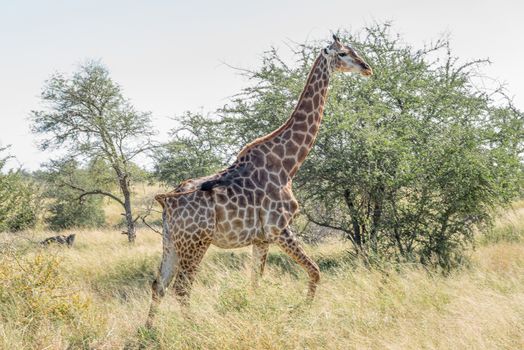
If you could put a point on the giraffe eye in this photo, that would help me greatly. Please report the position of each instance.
(342, 54)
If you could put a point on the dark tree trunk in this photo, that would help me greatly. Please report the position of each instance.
(357, 237)
(377, 214)
(396, 232)
(131, 230)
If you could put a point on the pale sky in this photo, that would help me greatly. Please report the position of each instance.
(169, 55)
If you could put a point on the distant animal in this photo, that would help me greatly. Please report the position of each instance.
(251, 202)
(60, 239)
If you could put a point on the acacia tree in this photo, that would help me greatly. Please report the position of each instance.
(87, 115)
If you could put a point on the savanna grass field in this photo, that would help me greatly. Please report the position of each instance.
(382, 140)
(96, 295)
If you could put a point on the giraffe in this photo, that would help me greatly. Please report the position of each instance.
(251, 202)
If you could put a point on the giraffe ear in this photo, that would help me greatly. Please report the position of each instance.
(336, 45)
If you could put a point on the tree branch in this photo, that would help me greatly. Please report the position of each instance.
(87, 193)
(93, 192)
(153, 229)
(143, 217)
(325, 224)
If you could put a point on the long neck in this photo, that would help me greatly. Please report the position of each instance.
(305, 120)
(287, 147)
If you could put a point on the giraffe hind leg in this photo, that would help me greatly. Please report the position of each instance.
(162, 281)
(288, 242)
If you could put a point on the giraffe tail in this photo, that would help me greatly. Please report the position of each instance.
(161, 198)
(209, 185)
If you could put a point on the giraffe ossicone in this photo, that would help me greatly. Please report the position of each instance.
(251, 202)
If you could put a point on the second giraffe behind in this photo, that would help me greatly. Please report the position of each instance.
(251, 202)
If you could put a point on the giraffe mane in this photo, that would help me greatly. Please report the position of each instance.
(275, 133)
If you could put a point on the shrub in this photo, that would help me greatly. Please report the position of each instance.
(19, 200)
(33, 289)
(66, 208)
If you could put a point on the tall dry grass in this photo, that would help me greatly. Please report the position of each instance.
(104, 285)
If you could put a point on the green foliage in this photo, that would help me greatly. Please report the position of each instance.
(88, 115)
(409, 162)
(19, 200)
(195, 149)
(65, 181)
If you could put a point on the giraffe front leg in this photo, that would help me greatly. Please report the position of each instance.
(288, 242)
(162, 281)
(259, 262)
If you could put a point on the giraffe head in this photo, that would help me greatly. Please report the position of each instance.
(344, 59)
